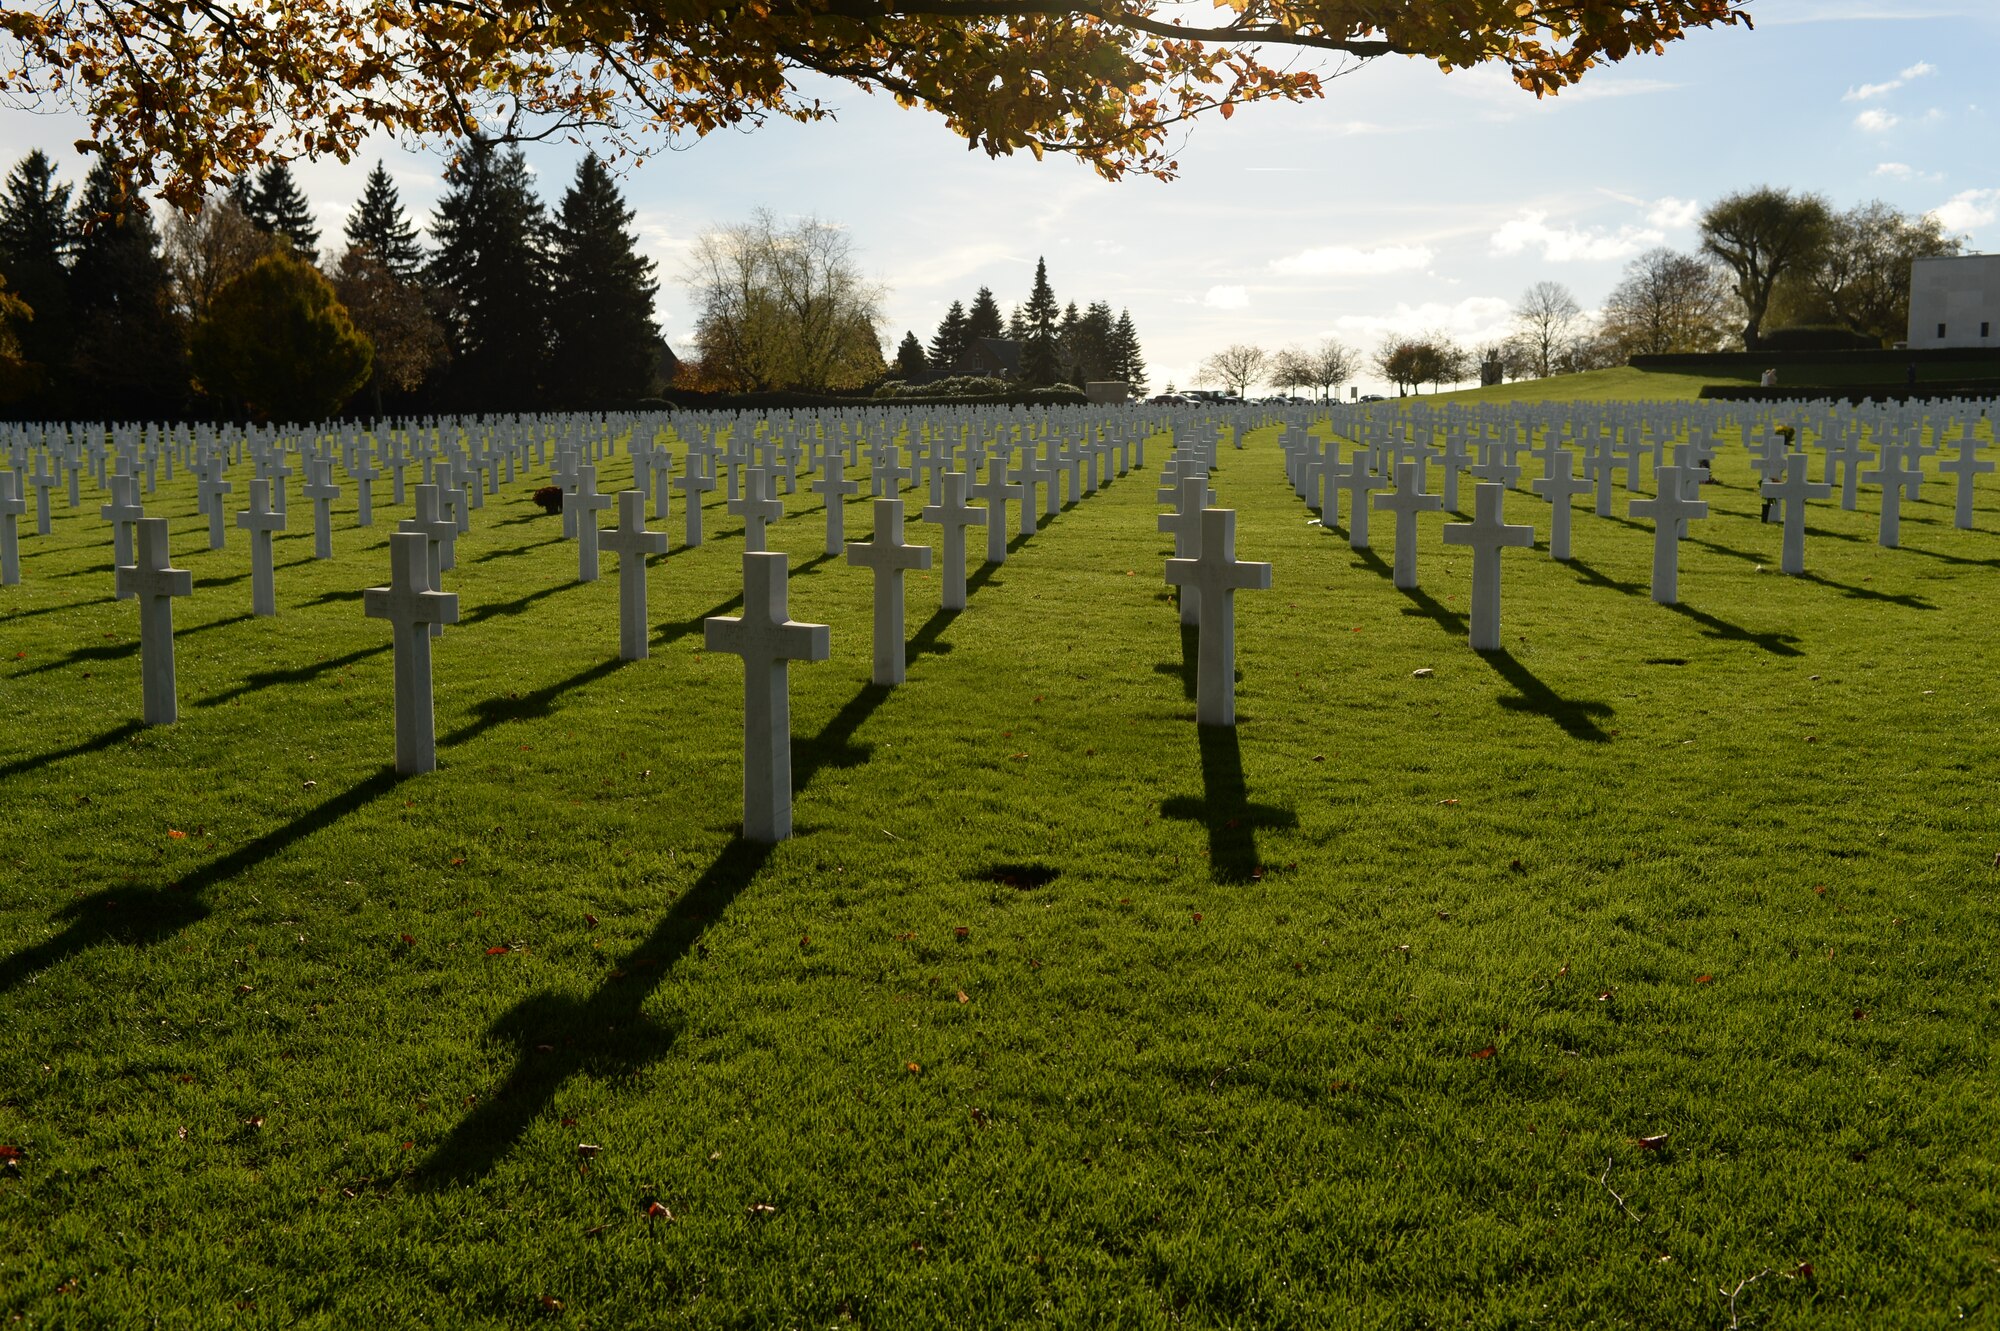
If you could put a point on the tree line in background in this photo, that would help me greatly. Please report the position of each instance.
(235, 309)
(1774, 269)
(1056, 343)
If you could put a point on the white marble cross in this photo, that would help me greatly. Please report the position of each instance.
(697, 481)
(1406, 501)
(1967, 465)
(954, 517)
(441, 532)
(660, 480)
(833, 488)
(213, 486)
(1028, 475)
(1892, 475)
(261, 519)
(1668, 511)
(122, 512)
(155, 584)
(12, 506)
(889, 557)
(1557, 487)
(631, 542)
(43, 480)
(1185, 525)
(319, 488)
(365, 472)
(415, 612)
(1487, 534)
(1793, 492)
(1215, 576)
(756, 507)
(587, 502)
(994, 492)
(1844, 455)
(1357, 478)
(767, 639)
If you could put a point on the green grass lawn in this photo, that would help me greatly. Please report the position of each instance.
(1621, 384)
(1058, 1011)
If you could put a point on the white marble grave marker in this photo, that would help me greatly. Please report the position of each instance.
(1793, 491)
(1892, 476)
(1557, 487)
(414, 611)
(12, 506)
(1487, 534)
(155, 585)
(319, 488)
(261, 519)
(1215, 576)
(889, 557)
(695, 482)
(756, 507)
(995, 492)
(767, 639)
(833, 488)
(631, 542)
(587, 502)
(1406, 501)
(1668, 511)
(954, 517)
(1967, 465)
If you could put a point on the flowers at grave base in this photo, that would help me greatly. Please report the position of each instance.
(549, 498)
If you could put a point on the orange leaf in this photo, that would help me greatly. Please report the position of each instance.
(1228, 109)
(658, 1212)
(498, 949)
(961, 932)
(1703, 979)
(914, 1067)
(1487, 1052)
(962, 998)
(176, 834)
(1652, 1143)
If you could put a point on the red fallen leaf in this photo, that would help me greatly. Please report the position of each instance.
(1820, 891)
(408, 941)
(1447, 801)
(805, 940)
(590, 920)
(913, 1067)
(961, 932)
(551, 1303)
(460, 860)
(498, 949)
(1860, 1014)
(409, 1146)
(587, 1149)
(12, 1153)
(1803, 1271)
(1355, 629)
(1605, 997)
(254, 1121)
(1703, 979)
(1652, 1143)
(658, 1212)
(1487, 1052)
(569, 1122)
(1197, 917)
(246, 988)
(176, 834)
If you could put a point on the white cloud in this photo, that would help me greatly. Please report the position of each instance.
(1226, 298)
(1474, 319)
(1876, 122)
(1869, 91)
(1571, 244)
(1671, 214)
(1348, 261)
(1968, 209)
(1917, 71)
(1904, 171)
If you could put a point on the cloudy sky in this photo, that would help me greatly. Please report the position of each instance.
(1407, 199)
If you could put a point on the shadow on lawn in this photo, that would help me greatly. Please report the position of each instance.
(607, 1033)
(142, 917)
(1908, 600)
(1225, 808)
(264, 679)
(1576, 717)
(1777, 644)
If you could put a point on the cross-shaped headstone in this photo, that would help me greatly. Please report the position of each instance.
(834, 487)
(1844, 455)
(588, 504)
(767, 640)
(1967, 465)
(1793, 491)
(1028, 475)
(1406, 501)
(1892, 475)
(889, 557)
(123, 510)
(954, 517)
(12, 506)
(994, 492)
(213, 487)
(155, 584)
(631, 542)
(43, 480)
(1557, 487)
(415, 611)
(1184, 524)
(1215, 576)
(697, 481)
(364, 471)
(261, 519)
(1358, 479)
(1668, 510)
(319, 488)
(1487, 534)
(441, 532)
(756, 507)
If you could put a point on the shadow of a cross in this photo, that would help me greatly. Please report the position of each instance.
(1225, 808)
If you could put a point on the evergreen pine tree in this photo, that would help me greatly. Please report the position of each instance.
(277, 205)
(910, 362)
(129, 360)
(37, 237)
(1041, 362)
(983, 319)
(492, 264)
(949, 345)
(1017, 324)
(379, 225)
(1126, 362)
(605, 343)
(1069, 348)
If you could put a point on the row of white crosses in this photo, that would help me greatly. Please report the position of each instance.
(1205, 568)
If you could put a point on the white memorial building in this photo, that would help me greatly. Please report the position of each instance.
(1955, 302)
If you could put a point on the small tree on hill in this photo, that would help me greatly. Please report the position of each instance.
(278, 343)
(1761, 235)
(1236, 367)
(910, 362)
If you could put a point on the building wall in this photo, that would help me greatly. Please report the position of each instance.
(1955, 302)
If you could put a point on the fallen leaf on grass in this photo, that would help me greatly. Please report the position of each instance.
(590, 920)
(1652, 1143)
(456, 862)
(408, 941)
(961, 932)
(962, 997)
(1860, 1014)
(176, 834)
(1703, 979)
(498, 949)
(254, 1121)
(587, 1149)
(1605, 997)
(1197, 917)
(914, 1067)
(12, 1153)
(246, 988)
(762, 1210)
(1487, 1052)
(656, 1211)
(551, 1303)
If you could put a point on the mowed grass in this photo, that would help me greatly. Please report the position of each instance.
(1619, 384)
(1057, 1010)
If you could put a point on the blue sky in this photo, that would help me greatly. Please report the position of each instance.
(1407, 199)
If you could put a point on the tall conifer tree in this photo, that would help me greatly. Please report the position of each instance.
(379, 225)
(1126, 362)
(948, 346)
(1041, 361)
(277, 205)
(910, 360)
(606, 345)
(492, 263)
(130, 357)
(37, 237)
(983, 319)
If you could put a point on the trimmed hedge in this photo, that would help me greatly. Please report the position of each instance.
(1816, 337)
(788, 401)
(1855, 394)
